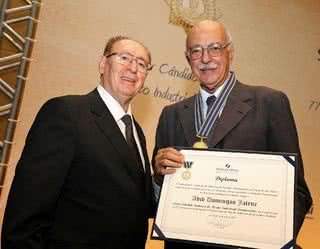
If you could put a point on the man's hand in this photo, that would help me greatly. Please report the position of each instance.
(167, 161)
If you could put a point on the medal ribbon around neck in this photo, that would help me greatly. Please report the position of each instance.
(203, 127)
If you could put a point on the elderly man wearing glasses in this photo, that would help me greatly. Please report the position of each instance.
(83, 180)
(225, 114)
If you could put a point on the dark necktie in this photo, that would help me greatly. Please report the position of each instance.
(130, 139)
(210, 101)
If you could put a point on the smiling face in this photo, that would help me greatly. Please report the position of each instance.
(123, 82)
(210, 70)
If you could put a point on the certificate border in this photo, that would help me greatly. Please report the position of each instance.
(286, 155)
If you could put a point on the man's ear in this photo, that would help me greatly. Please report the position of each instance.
(231, 54)
(187, 57)
(102, 64)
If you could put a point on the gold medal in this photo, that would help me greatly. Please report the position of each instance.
(200, 144)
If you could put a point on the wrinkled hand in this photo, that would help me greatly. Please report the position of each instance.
(167, 161)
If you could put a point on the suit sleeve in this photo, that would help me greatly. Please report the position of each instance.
(160, 142)
(39, 178)
(283, 137)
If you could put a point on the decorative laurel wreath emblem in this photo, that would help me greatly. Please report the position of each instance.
(186, 175)
(186, 13)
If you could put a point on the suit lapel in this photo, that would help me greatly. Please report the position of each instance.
(236, 108)
(143, 145)
(145, 156)
(148, 178)
(112, 132)
(186, 116)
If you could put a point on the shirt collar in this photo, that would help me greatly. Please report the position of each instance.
(204, 94)
(114, 107)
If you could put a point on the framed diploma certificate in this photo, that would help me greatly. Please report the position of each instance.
(229, 198)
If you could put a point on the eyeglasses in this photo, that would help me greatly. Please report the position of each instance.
(126, 59)
(215, 49)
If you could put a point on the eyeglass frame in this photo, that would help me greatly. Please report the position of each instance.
(148, 68)
(222, 48)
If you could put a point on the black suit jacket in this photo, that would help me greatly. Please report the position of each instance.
(254, 118)
(77, 185)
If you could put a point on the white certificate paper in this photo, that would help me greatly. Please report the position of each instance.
(229, 198)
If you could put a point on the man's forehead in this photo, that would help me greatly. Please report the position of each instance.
(206, 33)
(132, 47)
(206, 38)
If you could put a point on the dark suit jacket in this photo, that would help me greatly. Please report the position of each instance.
(254, 118)
(77, 185)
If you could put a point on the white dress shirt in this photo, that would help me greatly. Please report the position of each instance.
(204, 95)
(117, 112)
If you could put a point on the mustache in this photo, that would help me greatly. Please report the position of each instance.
(208, 66)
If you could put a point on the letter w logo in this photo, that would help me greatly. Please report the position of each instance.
(188, 164)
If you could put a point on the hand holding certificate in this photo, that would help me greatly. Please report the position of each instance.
(229, 198)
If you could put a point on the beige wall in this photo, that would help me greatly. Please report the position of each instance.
(276, 44)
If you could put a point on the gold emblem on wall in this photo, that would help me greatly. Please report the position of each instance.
(186, 13)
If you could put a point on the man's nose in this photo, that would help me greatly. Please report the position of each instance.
(133, 66)
(205, 58)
